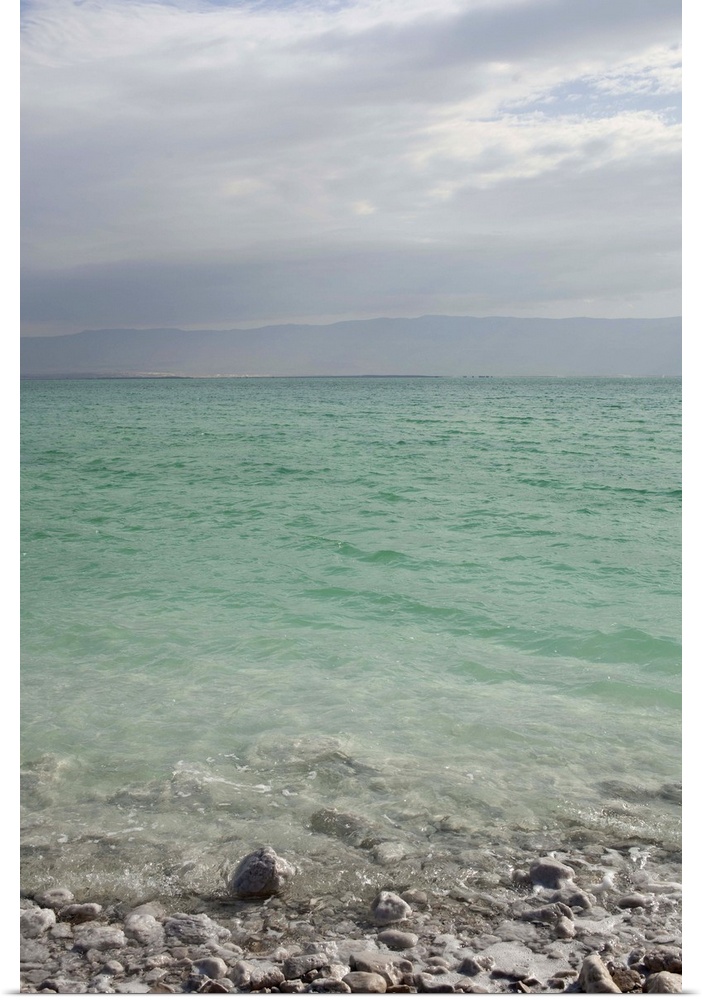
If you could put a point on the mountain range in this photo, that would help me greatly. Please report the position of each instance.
(429, 345)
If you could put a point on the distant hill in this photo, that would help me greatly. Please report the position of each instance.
(430, 345)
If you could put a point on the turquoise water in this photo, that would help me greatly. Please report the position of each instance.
(425, 600)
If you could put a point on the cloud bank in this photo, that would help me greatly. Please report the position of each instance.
(195, 163)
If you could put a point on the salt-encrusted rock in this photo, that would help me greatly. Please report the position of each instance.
(255, 975)
(55, 897)
(473, 965)
(328, 986)
(397, 940)
(36, 921)
(550, 873)
(101, 937)
(594, 977)
(261, 873)
(565, 929)
(32, 952)
(300, 966)
(145, 929)
(61, 932)
(389, 908)
(663, 959)
(79, 913)
(390, 967)
(365, 982)
(195, 929)
(663, 982)
(212, 967)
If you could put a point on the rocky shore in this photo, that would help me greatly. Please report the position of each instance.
(591, 920)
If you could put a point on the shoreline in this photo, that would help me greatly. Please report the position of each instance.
(530, 922)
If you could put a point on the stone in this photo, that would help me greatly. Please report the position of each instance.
(79, 913)
(389, 908)
(365, 982)
(101, 937)
(471, 966)
(260, 874)
(112, 968)
(213, 967)
(328, 986)
(416, 897)
(628, 980)
(255, 975)
(61, 985)
(36, 921)
(565, 929)
(397, 940)
(550, 873)
(387, 966)
(632, 900)
(55, 897)
(299, 966)
(663, 959)
(145, 929)
(195, 929)
(663, 982)
(32, 952)
(594, 977)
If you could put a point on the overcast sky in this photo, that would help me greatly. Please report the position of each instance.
(222, 163)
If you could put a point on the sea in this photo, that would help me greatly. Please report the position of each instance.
(361, 620)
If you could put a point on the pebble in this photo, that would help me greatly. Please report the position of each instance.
(260, 874)
(389, 908)
(328, 986)
(365, 982)
(397, 940)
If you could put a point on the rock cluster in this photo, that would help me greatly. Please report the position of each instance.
(552, 929)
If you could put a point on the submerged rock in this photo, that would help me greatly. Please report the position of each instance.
(261, 873)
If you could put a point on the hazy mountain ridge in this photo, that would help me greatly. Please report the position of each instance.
(429, 345)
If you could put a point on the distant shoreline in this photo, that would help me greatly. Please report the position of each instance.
(79, 376)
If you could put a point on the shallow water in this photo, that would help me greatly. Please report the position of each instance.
(423, 600)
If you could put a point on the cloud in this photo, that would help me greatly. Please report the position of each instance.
(219, 156)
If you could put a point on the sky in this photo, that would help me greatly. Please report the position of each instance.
(236, 163)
